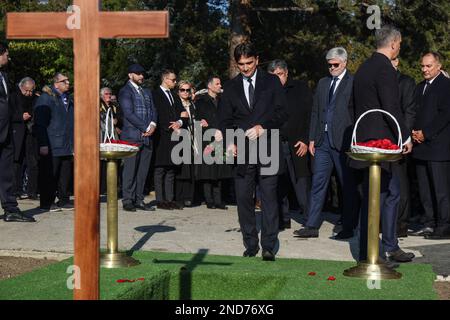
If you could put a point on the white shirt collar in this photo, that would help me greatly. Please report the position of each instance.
(341, 76)
(253, 77)
(134, 85)
(431, 81)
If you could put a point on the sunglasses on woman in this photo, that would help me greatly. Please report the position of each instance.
(184, 90)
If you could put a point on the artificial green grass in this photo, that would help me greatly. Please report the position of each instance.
(201, 276)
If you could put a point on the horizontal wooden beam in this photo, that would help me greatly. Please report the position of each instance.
(51, 25)
(152, 24)
(38, 25)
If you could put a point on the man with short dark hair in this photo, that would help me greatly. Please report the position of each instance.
(375, 86)
(7, 197)
(139, 125)
(169, 109)
(254, 102)
(432, 149)
(54, 124)
(294, 141)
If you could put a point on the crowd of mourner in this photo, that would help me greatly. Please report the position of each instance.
(314, 131)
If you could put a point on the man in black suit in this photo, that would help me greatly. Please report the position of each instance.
(401, 168)
(169, 109)
(329, 139)
(25, 143)
(254, 102)
(432, 151)
(294, 142)
(7, 198)
(375, 86)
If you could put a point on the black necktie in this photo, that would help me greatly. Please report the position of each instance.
(427, 84)
(2, 82)
(333, 86)
(170, 97)
(251, 93)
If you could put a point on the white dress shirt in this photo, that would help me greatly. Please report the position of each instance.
(247, 84)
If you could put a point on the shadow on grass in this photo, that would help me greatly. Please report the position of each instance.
(187, 269)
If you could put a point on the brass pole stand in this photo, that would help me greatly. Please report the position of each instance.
(113, 258)
(373, 269)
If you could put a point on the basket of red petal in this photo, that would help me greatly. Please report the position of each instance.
(110, 144)
(376, 146)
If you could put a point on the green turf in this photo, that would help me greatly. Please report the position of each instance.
(201, 276)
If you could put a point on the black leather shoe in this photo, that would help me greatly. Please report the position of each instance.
(344, 234)
(210, 206)
(163, 206)
(17, 217)
(175, 205)
(400, 256)
(422, 232)
(221, 206)
(144, 207)
(307, 232)
(268, 255)
(437, 236)
(129, 207)
(250, 253)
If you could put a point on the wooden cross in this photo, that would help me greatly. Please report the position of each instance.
(86, 25)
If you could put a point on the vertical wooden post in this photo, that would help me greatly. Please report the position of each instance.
(87, 71)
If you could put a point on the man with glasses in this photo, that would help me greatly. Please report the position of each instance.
(169, 109)
(329, 139)
(25, 144)
(54, 127)
(7, 198)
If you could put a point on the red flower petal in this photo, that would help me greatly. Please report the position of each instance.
(312, 273)
(141, 279)
(331, 278)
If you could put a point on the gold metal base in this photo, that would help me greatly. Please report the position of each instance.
(379, 271)
(117, 260)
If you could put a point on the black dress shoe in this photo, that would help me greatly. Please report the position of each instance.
(400, 256)
(17, 217)
(344, 234)
(163, 206)
(129, 207)
(307, 232)
(422, 232)
(267, 255)
(250, 253)
(144, 207)
(221, 206)
(210, 206)
(437, 236)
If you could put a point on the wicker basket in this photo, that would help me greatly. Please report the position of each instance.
(107, 145)
(363, 149)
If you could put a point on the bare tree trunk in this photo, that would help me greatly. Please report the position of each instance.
(240, 30)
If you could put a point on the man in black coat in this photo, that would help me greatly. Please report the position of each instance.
(7, 198)
(407, 87)
(169, 109)
(211, 174)
(329, 139)
(294, 141)
(375, 86)
(432, 151)
(25, 143)
(254, 102)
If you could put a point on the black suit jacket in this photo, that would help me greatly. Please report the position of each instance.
(407, 87)
(5, 112)
(269, 109)
(299, 105)
(166, 114)
(19, 104)
(375, 86)
(342, 117)
(433, 118)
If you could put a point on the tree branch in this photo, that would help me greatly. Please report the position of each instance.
(284, 9)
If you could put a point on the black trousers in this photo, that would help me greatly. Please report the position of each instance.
(212, 191)
(287, 182)
(28, 158)
(245, 188)
(7, 197)
(55, 175)
(164, 183)
(184, 190)
(400, 170)
(134, 175)
(434, 190)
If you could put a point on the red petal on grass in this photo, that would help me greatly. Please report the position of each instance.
(331, 278)
(141, 279)
(122, 280)
(311, 273)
